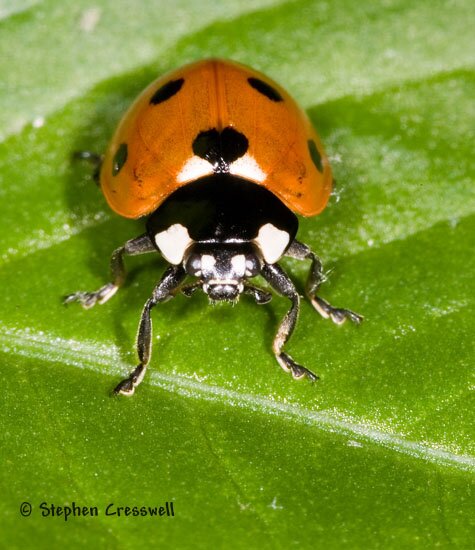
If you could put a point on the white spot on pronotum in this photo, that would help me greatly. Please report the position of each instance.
(173, 242)
(89, 19)
(194, 168)
(272, 242)
(247, 167)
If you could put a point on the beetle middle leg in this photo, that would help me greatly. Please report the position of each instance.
(282, 284)
(134, 247)
(301, 251)
(164, 291)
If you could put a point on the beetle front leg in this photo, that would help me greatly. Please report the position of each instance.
(301, 251)
(282, 284)
(189, 290)
(164, 291)
(134, 247)
(260, 296)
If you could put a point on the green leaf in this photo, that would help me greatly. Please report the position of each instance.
(377, 454)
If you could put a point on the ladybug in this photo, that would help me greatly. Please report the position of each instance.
(221, 160)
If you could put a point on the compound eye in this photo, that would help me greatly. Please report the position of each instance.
(193, 265)
(252, 266)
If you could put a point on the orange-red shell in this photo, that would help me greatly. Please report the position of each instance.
(215, 94)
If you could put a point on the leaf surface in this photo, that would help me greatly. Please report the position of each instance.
(380, 452)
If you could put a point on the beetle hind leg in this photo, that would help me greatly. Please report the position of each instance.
(301, 251)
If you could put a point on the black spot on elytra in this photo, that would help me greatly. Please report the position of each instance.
(265, 89)
(119, 159)
(220, 149)
(315, 155)
(167, 91)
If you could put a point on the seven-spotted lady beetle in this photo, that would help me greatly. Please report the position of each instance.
(220, 159)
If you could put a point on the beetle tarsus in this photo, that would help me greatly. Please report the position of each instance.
(140, 245)
(90, 299)
(189, 290)
(128, 385)
(301, 251)
(337, 315)
(260, 296)
(298, 372)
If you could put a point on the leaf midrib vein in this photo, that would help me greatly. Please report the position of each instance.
(89, 356)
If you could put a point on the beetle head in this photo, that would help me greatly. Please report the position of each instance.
(222, 268)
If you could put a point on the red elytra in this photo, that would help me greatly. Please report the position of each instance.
(150, 155)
